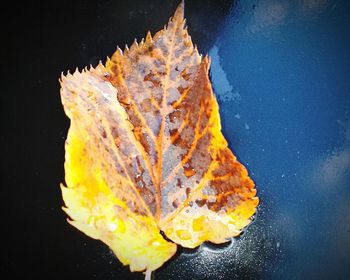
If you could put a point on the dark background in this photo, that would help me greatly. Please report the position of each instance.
(280, 70)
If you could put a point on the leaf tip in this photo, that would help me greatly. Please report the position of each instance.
(148, 37)
(134, 45)
(184, 26)
(69, 75)
(179, 13)
(207, 61)
(61, 78)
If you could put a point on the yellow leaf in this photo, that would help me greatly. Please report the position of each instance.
(145, 152)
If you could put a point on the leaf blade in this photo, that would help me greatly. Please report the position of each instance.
(147, 127)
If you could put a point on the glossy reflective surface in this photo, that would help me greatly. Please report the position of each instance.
(280, 70)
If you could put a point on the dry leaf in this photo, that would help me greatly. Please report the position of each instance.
(145, 153)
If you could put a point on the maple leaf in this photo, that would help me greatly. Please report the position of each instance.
(145, 152)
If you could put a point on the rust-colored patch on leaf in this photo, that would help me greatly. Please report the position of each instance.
(145, 152)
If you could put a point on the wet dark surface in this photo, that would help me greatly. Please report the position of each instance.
(280, 70)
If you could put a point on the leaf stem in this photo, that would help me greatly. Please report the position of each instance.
(148, 274)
